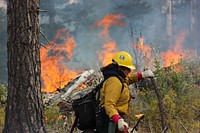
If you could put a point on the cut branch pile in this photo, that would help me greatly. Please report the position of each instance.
(73, 90)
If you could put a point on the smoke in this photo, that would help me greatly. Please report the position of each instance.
(3, 4)
(72, 1)
(147, 18)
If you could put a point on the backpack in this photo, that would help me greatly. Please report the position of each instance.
(86, 108)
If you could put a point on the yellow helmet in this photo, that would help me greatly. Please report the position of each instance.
(123, 58)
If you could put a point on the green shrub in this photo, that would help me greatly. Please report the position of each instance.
(3, 94)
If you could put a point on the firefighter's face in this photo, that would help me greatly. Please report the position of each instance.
(126, 71)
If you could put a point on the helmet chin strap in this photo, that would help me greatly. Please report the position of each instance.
(114, 62)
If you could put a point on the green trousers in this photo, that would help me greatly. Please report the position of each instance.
(107, 126)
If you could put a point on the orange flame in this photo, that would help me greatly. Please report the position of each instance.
(107, 21)
(144, 51)
(55, 73)
(173, 56)
(142, 47)
(141, 42)
(108, 53)
(109, 48)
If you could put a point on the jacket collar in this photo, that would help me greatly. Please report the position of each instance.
(113, 72)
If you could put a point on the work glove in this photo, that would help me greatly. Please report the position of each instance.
(122, 125)
(147, 74)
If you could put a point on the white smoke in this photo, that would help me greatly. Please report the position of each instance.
(81, 18)
(72, 1)
(3, 4)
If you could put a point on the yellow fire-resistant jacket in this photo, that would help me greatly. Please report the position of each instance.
(113, 99)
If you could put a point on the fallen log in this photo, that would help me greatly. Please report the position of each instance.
(69, 92)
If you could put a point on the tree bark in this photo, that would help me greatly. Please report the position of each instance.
(160, 105)
(24, 112)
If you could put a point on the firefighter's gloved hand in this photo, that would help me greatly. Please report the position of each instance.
(147, 74)
(122, 125)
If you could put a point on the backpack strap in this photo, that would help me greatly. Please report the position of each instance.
(98, 88)
(121, 82)
(120, 79)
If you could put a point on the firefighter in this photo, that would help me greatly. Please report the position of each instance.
(115, 95)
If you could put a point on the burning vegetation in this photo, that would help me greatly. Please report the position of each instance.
(65, 77)
(176, 72)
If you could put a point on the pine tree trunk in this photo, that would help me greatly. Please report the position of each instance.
(24, 113)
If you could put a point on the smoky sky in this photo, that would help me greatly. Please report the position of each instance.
(146, 17)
